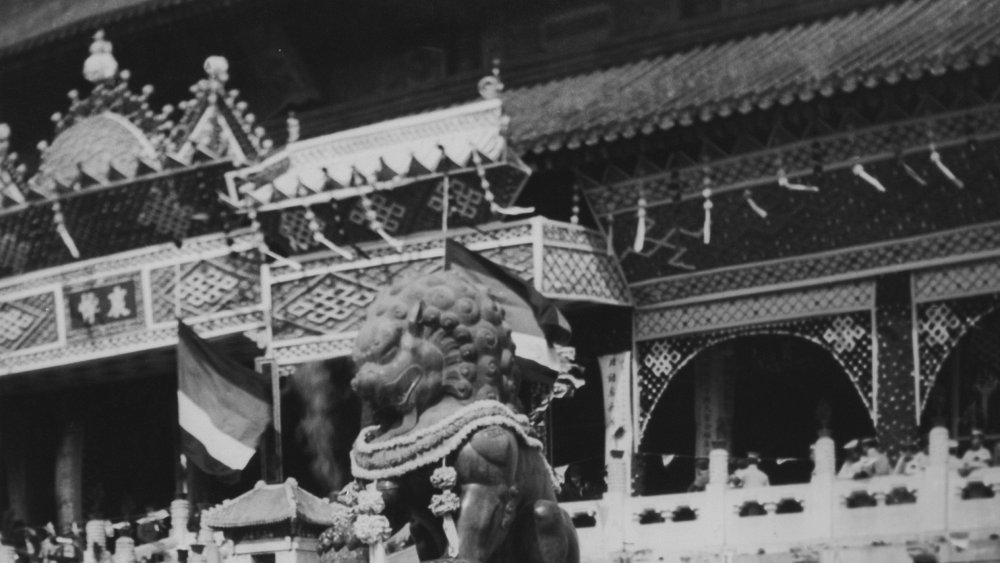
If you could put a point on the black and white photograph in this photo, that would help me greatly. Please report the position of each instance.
(499, 281)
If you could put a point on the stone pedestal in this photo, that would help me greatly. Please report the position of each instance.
(180, 514)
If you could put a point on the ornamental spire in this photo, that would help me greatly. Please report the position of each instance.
(101, 65)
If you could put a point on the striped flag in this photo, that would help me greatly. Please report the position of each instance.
(223, 407)
(534, 320)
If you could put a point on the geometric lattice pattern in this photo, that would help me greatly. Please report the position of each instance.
(388, 213)
(848, 338)
(166, 214)
(957, 281)
(940, 326)
(27, 322)
(295, 227)
(463, 199)
(582, 273)
(856, 296)
(207, 286)
(328, 305)
(929, 285)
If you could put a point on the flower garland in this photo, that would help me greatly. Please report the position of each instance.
(446, 504)
(371, 460)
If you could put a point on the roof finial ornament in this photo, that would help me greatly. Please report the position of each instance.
(491, 86)
(101, 64)
(4, 140)
(217, 69)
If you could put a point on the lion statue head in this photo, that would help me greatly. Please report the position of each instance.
(430, 336)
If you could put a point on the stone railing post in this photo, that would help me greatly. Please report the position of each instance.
(618, 459)
(180, 512)
(820, 505)
(94, 533)
(715, 501)
(124, 550)
(932, 498)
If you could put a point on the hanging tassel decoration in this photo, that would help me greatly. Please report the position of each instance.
(60, 222)
(748, 195)
(255, 226)
(785, 183)
(318, 236)
(574, 217)
(610, 238)
(375, 225)
(488, 193)
(371, 526)
(860, 172)
(706, 227)
(936, 159)
(913, 173)
(640, 226)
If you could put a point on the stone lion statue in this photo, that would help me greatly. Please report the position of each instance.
(451, 454)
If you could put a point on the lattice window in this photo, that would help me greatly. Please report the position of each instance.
(848, 338)
(940, 326)
(574, 272)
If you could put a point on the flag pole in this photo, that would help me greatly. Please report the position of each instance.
(445, 200)
(181, 477)
(268, 367)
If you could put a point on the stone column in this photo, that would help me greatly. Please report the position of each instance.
(821, 503)
(180, 513)
(897, 416)
(714, 511)
(14, 457)
(124, 550)
(95, 533)
(69, 473)
(932, 498)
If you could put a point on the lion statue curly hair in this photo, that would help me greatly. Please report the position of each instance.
(436, 372)
(439, 334)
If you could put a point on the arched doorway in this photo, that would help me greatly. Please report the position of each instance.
(771, 394)
(966, 391)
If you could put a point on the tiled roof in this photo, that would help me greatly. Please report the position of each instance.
(864, 48)
(26, 24)
(272, 504)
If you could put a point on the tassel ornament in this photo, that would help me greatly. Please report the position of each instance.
(488, 193)
(860, 172)
(785, 183)
(706, 227)
(610, 238)
(640, 226)
(318, 236)
(760, 211)
(67, 239)
(936, 159)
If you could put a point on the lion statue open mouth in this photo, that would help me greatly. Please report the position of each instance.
(451, 454)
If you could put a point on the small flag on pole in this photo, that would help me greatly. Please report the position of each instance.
(223, 408)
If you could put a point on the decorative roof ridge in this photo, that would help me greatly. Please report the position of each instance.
(350, 162)
(113, 135)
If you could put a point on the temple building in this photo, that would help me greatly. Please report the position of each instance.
(773, 226)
